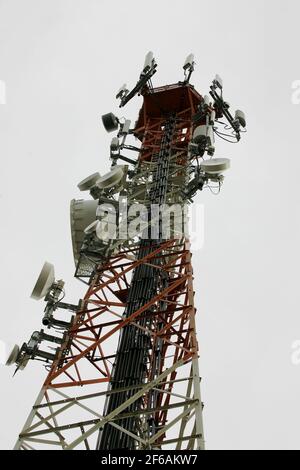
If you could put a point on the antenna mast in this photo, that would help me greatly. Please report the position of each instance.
(124, 373)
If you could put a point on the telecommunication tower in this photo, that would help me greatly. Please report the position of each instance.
(123, 366)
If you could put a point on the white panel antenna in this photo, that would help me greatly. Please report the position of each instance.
(218, 82)
(240, 116)
(148, 62)
(125, 127)
(189, 62)
(212, 118)
(206, 100)
(114, 145)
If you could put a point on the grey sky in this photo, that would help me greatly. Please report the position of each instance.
(62, 62)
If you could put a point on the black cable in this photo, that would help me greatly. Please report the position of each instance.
(227, 140)
(134, 343)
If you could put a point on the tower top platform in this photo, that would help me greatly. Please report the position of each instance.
(166, 99)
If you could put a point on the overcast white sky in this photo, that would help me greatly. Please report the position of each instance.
(62, 62)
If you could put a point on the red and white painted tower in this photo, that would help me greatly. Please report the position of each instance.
(125, 371)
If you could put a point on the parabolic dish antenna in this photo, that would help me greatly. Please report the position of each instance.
(110, 122)
(88, 182)
(13, 355)
(82, 214)
(91, 228)
(44, 282)
(215, 166)
(111, 179)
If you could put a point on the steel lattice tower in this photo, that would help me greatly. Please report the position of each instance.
(126, 374)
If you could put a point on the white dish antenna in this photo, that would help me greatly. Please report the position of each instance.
(111, 179)
(88, 182)
(82, 214)
(44, 282)
(92, 227)
(13, 355)
(215, 166)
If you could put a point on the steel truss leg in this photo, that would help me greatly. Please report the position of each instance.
(87, 365)
(44, 431)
